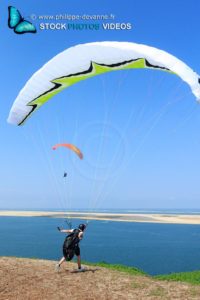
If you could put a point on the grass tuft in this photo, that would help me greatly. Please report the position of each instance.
(190, 277)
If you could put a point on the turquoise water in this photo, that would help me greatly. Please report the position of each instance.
(154, 248)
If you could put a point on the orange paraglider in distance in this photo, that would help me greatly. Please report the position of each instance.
(69, 146)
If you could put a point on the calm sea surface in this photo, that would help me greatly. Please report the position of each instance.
(154, 248)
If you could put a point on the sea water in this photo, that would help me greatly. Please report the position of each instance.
(154, 248)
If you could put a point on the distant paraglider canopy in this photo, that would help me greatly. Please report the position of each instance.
(69, 146)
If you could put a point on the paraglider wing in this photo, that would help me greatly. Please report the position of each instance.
(88, 60)
(70, 146)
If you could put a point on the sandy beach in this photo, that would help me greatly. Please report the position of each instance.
(147, 218)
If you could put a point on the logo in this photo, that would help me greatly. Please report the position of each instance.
(18, 23)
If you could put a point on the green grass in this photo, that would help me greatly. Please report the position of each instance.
(120, 268)
(190, 277)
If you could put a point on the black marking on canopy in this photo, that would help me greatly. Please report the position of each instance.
(199, 80)
(89, 70)
(119, 64)
(55, 87)
(34, 106)
(147, 63)
(154, 66)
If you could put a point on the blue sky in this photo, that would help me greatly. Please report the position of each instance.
(138, 130)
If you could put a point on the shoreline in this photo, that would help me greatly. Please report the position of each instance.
(117, 217)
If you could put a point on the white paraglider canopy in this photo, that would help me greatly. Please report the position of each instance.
(87, 60)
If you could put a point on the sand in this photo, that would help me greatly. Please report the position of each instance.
(145, 218)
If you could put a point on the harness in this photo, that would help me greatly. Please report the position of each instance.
(70, 243)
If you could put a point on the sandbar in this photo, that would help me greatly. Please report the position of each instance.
(119, 217)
